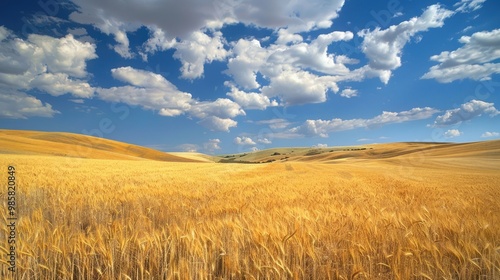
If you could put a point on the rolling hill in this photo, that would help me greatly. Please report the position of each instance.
(79, 146)
(485, 151)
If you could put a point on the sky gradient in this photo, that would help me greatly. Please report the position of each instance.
(236, 76)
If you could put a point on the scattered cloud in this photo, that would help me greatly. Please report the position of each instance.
(60, 83)
(159, 41)
(24, 60)
(153, 92)
(383, 48)
(185, 25)
(489, 134)
(81, 35)
(188, 148)
(298, 71)
(60, 55)
(296, 87)
(183, 18)
(89, 13)
(80, 31)
(251, 100)
(146, 89)
(475, 60)
(244, 141)
(314, 55)
(55, 66)
(19, 105)
(198, 49)
(4, 33)
(221, 107)
(466, 6)
(465, 112)
(284, 65)
(247, 59)
(275, 124)
(285, 36)
(398, 14)
(311, 128)
(348, 93)
(212, 145)
(88, 109)
(288, 68)
(467, 29)
(218, 124)
(320, 145)
(44, 19)
(264, 141)
(452, 133)
(77, 101)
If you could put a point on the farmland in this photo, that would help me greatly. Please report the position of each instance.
(388, 211)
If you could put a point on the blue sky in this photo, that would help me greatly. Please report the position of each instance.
(232, 76)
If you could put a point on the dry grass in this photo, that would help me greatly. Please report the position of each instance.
(28, 142)
(403, 218)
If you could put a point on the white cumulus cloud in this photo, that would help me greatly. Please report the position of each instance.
(452, 133)
(198, 49)
(489, 134)
(465, 112)
(244, 141)
(322, 128)
(221, 107)
(159, 41)
(212, 145)
(384, 48)
(61, 55)
(181, 18)
(153, 92)
(182, 24)
(475, 60)
(247, 59)
(148, 90)
(295, 87)
(314, 55)
(218, 124)
(348, 93)
(60, 83)
(264, 141)
(298, 73)
(21, 61)
(251, 100)
(19, 105)
(55, 66)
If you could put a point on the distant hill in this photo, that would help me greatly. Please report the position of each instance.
(485, 150)
(196, 156)
(484, 153)
(77, 145)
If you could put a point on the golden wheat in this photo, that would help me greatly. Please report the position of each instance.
(118, 219)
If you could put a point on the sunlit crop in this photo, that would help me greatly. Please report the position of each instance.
(124, 219)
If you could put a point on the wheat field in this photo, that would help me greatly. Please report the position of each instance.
(399, 218)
